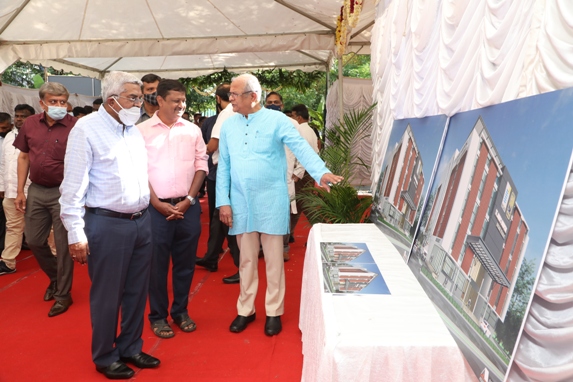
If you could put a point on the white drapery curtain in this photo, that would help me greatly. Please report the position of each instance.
(357, 95)
(442, 57)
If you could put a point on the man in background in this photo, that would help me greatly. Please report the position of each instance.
(217, 230)
(300, 177)
(5, 128)
(106, 171)
(96, 104)
(149, 89)
(8, 191)
(42, 143)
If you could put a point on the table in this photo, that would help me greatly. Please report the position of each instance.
(392, 337)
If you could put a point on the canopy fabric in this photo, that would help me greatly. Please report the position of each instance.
(181, 38)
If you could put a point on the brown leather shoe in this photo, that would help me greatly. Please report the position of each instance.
(60, 307)
(49, 295)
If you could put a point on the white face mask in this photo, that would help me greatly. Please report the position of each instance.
(56, 112)
(128, 116)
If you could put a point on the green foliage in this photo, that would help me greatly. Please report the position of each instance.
(342, 137)
(508, 330)
(317, 116)
(25, 75)
(340, 205)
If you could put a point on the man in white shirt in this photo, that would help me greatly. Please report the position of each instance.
(217, 230)
(8, 190)
(300, 177)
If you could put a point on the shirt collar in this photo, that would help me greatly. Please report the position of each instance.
(156, 121)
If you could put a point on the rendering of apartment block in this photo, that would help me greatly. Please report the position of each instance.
(476, 235)
(401, 184)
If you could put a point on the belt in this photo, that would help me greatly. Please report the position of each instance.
(173, 200)
(113, 214)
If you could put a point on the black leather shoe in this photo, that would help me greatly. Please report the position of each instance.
(201, 262)
(234, 279)
(273, 326)
(49, 295)
(60, 307)
(142, 360)
(117, 370)
(240, 323)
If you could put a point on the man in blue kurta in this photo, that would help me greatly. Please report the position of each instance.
(252, 194)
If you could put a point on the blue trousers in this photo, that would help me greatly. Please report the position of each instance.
(174, 240)
(118, 265)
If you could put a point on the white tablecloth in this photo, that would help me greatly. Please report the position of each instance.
(393, 337)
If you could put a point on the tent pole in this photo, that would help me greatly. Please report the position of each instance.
(340, 89)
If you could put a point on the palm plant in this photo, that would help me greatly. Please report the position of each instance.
(342, 204)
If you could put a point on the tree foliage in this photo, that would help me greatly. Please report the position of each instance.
(508, 330)
(25, 75)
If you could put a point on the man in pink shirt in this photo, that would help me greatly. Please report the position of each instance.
(177, 163)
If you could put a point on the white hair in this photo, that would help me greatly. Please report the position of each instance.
(251, 84)
(113, 83)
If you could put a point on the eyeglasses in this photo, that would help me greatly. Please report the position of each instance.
(238, 94)
(131, 99)
(275, 102)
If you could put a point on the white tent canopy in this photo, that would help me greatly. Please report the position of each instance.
(179, 38)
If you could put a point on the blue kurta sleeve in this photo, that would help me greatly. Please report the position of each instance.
(302, 150)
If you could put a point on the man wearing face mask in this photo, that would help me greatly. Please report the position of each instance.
(149, 90)
(106, 171)
(42, 143)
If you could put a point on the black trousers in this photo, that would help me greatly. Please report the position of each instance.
(173, 241)
(118, 265)
(218, 231)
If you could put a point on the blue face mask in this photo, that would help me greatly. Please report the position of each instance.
(57, 113)
(273, 107)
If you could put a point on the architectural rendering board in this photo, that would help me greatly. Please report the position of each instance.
(486, 226)
(402, 186)
(349, 268)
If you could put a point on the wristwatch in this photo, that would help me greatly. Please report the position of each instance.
(191, 199)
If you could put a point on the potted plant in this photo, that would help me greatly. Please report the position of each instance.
(342, 204)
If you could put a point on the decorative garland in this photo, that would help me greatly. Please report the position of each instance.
(341, 33)
(349, 15)
(352, 9)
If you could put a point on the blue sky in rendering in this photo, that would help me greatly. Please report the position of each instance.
(534, 137)
(428, 135)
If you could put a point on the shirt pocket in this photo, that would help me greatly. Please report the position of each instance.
(263, 143)
(59, 149)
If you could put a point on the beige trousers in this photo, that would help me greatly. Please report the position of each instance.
(14, 232)
(249, 245)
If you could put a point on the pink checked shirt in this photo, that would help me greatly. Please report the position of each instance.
(174, 155)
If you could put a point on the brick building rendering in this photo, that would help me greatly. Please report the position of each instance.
(475, 236)
(401, 184)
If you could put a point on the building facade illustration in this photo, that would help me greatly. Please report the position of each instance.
(475, 236)
(401, 184)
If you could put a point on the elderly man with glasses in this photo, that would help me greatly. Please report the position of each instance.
(252, 194)
(42, 143)
(106, 171)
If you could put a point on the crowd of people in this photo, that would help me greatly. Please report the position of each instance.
(117, 186)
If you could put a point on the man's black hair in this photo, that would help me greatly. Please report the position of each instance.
(301, 111)
(25, 106)
(165, 86)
